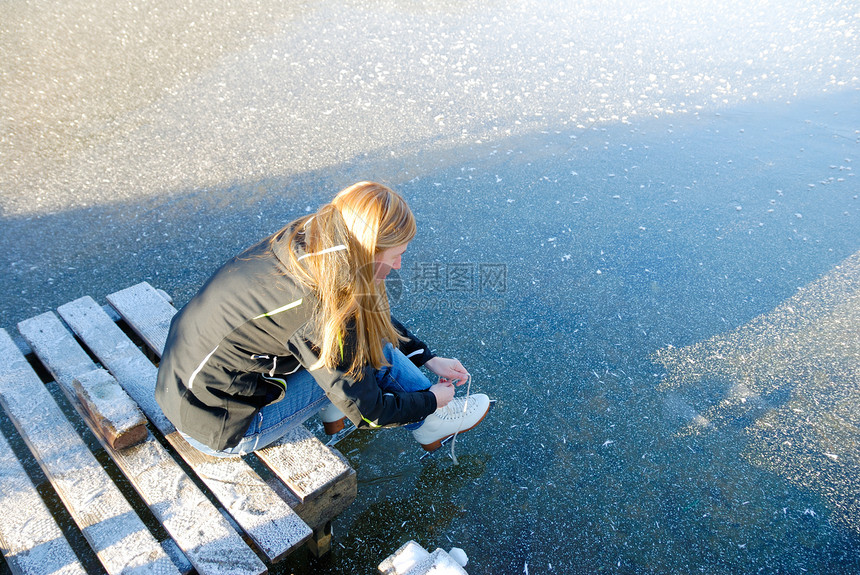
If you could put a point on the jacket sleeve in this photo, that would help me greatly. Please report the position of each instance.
(361, 399)
(413, 348)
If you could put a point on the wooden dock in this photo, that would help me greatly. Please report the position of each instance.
(236, 515)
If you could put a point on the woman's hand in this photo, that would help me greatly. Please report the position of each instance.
(448, 370)
(444, 393)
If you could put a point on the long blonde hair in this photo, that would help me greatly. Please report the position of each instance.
(340, 242)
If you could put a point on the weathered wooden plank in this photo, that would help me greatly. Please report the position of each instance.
(100, 333)
(117, 535)
(146, 312)
(321, 479)
(312, 467)
(177, 556)
(265, 517)
(30, 539)
(116, 415)
(199, 529)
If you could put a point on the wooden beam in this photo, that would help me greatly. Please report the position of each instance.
(30, 539)
(266, 518)
(310, 466)
(114, 531)
(199, 529)
(146, 312)
(113, 413)
(321, 480)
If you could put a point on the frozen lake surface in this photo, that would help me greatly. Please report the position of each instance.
(639, 228)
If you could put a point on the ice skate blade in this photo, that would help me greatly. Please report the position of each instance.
(340, 435)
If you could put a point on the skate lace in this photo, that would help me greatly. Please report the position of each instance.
(462, 419)
(453, 410)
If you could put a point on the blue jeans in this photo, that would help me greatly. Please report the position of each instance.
(304, 398)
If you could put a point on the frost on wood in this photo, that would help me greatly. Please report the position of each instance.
(118, 354)
(303, 462)
(197, 526)
(117, 417)
(30, 539)
(267, 518)
(171, 495)
(117, 535)
(146, 311)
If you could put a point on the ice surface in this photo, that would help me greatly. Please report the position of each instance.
(501, 123)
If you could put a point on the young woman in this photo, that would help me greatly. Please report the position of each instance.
(300, 323)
